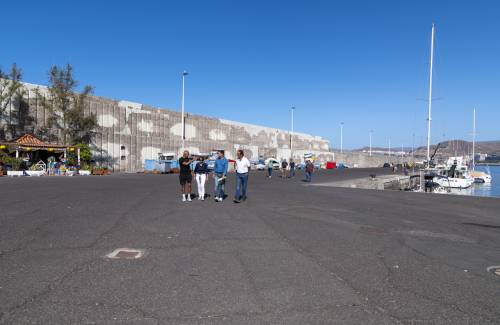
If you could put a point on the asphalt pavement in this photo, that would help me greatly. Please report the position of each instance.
(293, 253)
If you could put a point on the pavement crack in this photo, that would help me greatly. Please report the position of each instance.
(375, 307)
(48, 289)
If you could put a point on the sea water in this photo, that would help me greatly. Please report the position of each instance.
(484, 189)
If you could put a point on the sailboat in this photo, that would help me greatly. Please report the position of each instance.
(479, 176)
(455, 173)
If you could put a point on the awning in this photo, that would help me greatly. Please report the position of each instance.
(30, 142)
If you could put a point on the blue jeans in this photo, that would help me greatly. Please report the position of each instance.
(308, 176)
(292, 172)
(270, 172)
(241, 186)
(219, 186)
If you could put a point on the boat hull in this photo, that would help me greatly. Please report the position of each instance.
(481, 177)
(454, 182)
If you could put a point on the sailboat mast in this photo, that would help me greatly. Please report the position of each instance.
(429, 118)
(474, 140)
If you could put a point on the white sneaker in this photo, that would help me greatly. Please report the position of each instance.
(189, 198)
(203, 198)
(183, 198)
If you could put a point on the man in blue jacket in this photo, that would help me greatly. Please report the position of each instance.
(220, 174)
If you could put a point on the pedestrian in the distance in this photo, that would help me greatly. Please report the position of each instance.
(220, 174)
(284, 166)
(291, 166)
(185, 176)
(270, 166)
(309, 170)
(241, 166)
(201, 172)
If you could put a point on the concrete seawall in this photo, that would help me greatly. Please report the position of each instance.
(131, 132)
(364, 160)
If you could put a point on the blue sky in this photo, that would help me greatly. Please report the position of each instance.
(364, 63)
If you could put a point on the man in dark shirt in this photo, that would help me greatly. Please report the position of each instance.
(292, 168)
(309, 170)
(185, 176)
(284, 166)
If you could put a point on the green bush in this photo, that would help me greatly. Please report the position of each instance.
(8, 160)
(85, 166)
(85, 155)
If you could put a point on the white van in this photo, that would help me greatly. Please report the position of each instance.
(276, 163)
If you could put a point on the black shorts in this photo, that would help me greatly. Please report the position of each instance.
(185, 178)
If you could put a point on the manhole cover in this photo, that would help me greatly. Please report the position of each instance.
(494, 269)
(126, 254)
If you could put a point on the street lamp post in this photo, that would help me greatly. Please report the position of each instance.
(184, 74)
(341, 137)
(291, 134)
(371, 132)
(413, 146)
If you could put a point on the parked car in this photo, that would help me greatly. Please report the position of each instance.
(386, 165)
(259, 165)
(276, 163)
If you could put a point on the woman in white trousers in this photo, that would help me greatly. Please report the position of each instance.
(200, 172)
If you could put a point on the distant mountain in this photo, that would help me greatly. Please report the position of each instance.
(381, 149)
(449, 148)
(461, 148)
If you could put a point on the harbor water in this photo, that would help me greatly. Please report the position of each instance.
(492, 189)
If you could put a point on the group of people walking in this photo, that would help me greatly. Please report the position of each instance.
(288, 169)
(201, 172)
(241, 166)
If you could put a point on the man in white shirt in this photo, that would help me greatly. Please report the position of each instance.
(241, 166)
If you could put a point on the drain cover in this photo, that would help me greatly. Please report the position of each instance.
(494, 269)
(126, 254)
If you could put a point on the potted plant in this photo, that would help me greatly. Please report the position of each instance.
(85, 169)
(10, 164)
(96, 170)
(35, 170)
(100, 170)
(71, 171)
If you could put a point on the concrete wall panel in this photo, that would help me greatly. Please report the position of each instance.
(129, 133)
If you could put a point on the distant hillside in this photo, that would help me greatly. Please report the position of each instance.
(461, 148)
(449, 148)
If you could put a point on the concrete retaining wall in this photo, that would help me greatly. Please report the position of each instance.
(364, 160)
(131, 132)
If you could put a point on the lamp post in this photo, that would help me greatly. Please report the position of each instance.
(371, 132)
(413, 146)
(291, 134)
(184, 74)
(389, 147)
(341, 137)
